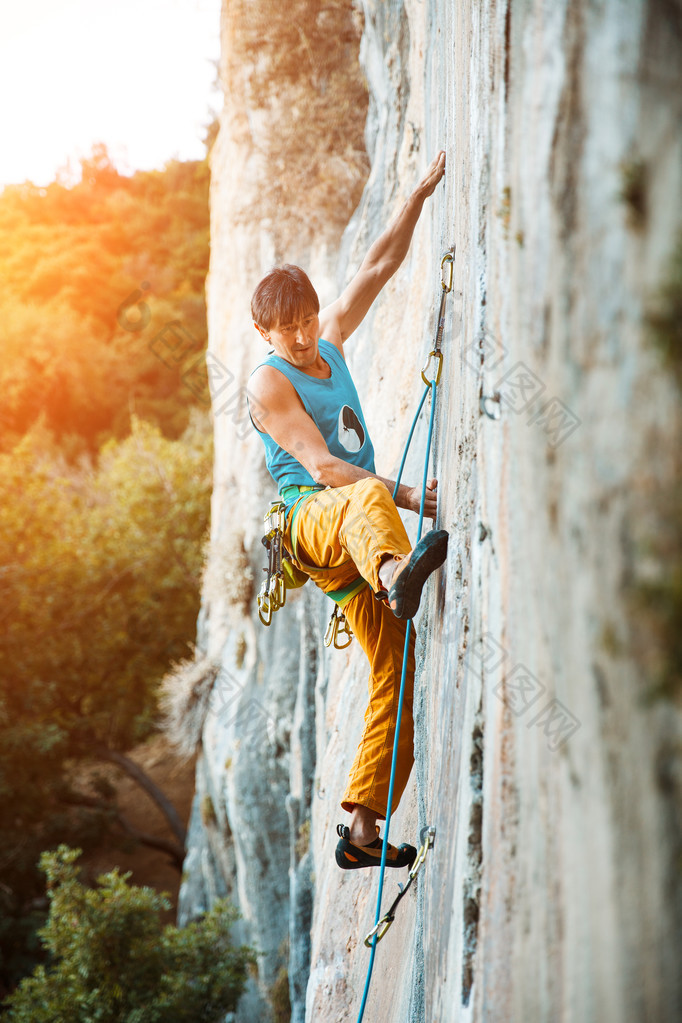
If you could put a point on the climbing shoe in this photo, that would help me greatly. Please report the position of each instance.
(412, 571)
(352, 857)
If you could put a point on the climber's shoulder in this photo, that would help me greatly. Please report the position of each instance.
(270, 391)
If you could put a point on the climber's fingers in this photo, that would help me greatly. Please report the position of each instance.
(431, 499)
(433, 175)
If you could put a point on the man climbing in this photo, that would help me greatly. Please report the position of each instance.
(342, 525)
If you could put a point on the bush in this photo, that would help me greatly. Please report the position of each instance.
(113, 962)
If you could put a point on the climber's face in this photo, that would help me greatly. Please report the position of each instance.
(296, 342)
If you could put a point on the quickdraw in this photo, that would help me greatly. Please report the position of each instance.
(338, 626)
(427, 837)
(447, 269)
(273, 592)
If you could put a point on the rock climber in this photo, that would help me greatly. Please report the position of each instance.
(342, 524)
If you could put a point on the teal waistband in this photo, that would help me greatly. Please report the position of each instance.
(293, 491)
(346, 593)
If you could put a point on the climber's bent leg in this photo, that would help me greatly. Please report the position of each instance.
(357, 525)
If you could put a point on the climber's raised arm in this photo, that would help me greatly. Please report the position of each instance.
(342, 317)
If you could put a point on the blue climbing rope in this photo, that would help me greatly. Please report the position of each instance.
(431, 387)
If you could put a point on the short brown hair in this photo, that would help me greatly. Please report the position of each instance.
(283, 295)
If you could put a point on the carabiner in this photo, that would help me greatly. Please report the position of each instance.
(379, 929)
(448, 258)
(331, 630)
(427, 836)
(274, 520)
(439, 358)
(264, 604)
(338, 626)
(342, 629)
(277, 591)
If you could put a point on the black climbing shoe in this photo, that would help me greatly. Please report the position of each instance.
(352, 857)
(413, 570)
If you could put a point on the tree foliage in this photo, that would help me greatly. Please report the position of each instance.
(99, 592)
(100, 585)
(104, 490)
(105, 478)
(111, 961)
(69, 257)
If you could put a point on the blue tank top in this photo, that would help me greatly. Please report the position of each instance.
(334, 406)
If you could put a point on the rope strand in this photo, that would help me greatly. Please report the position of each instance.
(447, 268)
(382, 870)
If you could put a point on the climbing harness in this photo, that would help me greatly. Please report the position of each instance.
(427, 835)
(337, 628)
(273, 592)
(281, 573)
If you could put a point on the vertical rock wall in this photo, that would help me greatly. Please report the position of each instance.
(552, 891)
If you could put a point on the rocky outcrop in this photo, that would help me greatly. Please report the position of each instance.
(552, 891)
(249, 836)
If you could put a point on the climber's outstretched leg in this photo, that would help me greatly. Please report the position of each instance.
(382, 637)
(339, 532)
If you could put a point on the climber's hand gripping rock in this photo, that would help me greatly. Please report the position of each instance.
(413, 499)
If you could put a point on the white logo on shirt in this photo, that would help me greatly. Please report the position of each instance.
(351, 432)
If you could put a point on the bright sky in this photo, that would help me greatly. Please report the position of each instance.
(137, 75)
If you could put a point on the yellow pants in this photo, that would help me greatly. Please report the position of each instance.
(340, 533)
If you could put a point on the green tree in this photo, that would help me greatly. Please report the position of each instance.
(113, 962)
(99, 594)
(69, 259)
(105, 478)
(100, 589)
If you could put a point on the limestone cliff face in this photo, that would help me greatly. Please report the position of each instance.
(552, 891)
